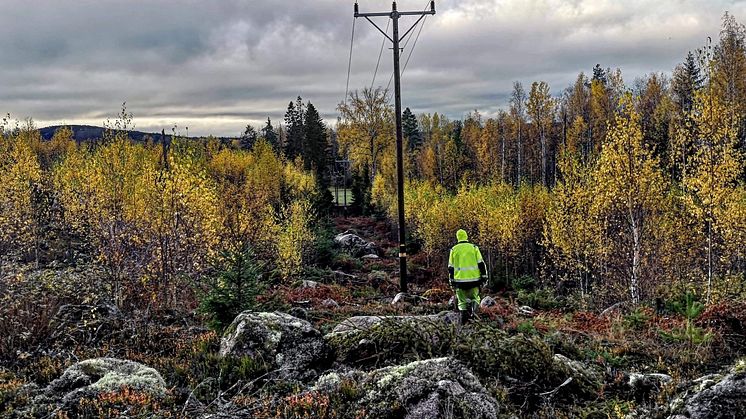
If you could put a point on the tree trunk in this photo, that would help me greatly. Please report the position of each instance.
(502, 160)
(543, 159)
(519, 153)
(636, 255)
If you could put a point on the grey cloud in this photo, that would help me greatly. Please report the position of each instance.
(217, 65)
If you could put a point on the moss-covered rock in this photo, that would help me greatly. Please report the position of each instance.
(282, 342)
(93, 377)
(492, 352)
(368, 341)
(586, 382)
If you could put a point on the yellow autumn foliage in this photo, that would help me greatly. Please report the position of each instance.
(20, 175)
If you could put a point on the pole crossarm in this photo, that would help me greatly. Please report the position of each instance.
(388, 14)
(394, 15)
(422, 16)
(379, 29)
(429, 12)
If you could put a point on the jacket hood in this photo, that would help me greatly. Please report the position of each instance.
(462, 236)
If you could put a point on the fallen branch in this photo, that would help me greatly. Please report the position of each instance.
(556, 389)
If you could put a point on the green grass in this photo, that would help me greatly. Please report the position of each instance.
(340, 198)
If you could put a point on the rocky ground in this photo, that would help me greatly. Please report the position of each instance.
(332, 345)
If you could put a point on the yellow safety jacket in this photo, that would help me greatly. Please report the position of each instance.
(465, 259)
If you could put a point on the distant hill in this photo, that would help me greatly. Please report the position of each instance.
(83, 133)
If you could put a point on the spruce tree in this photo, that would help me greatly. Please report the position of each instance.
(360, 190)
(687, 79)
(315, 150)
(294, 118)
(599, 74)
(248, 139)
(269, 134)
(411, 130)
(315, 144)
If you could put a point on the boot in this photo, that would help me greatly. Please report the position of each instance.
(465, 316)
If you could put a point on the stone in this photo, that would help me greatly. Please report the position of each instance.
(309, 284)
(299, 312)
(724, 399)
(643, 384)
(407, 298)
(330, 303)
(488, 302)
(343, 277)
(586, 380)
(377, 278)
(284, 343)
(426, 389)
(452, 302)
(399, 298)
(371, 256)
(525, 311)
(354, 244)
(92, 377)
(357, 323)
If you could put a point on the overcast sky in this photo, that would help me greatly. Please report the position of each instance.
(216, 65)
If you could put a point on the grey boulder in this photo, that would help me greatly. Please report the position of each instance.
(355, 245)
(488, 302)
(431, 388)
(287, 344)
(714, 399)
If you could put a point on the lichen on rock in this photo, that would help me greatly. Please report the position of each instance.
(725, 398)
(89, 378)
(430, 388)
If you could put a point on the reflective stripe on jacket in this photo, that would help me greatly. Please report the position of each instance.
(464, 259)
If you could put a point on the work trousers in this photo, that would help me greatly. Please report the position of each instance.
(466, 296)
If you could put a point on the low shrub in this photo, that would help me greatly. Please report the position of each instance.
(637, 319)
(524, 283)
(542, 299)
(233, 288)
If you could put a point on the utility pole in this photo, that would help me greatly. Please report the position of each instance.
(394, 15)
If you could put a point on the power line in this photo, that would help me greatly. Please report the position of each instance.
(409, 38)
(414, 45)
(395, 15)
(391, 78)
(383, 43)
(349, 62)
